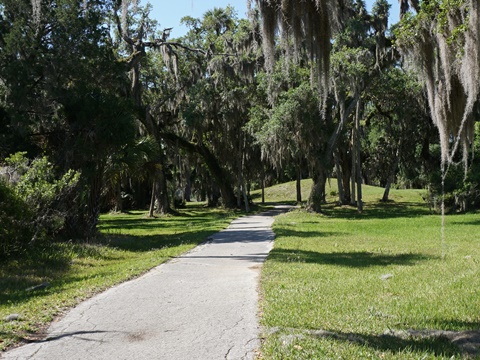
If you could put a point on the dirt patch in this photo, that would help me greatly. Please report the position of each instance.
(137, 336)
(256, 267)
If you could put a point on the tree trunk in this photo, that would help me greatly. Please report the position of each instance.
(213, 195)
(162, 200)
(217, 172)
(338, 168)
(391, 176)
(242, 180)
(152, 200)
(118, 197)
(386, 192)
(345, 167)
(353, 195)
(358, 170)
(240, 174)
(188, 186)
(94, 203)
(299, 184)
(263, 185)
(239, 195)
(317, 194)
(245, 197)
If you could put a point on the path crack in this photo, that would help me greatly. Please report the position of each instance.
(228, 352)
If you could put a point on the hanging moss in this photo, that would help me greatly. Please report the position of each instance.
(308, 25)
(443, 43)
(36, 11)
(125, 5)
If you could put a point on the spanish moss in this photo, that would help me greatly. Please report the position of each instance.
(448, 50)
(36, 10)
(125, 5)
(306, 25)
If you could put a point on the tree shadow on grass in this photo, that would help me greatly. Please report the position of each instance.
(360, 259)
(472, 222)
(379, 210)
(435, 343)
(147, 223)
(54, 263)
(286, 232)
(143, 243)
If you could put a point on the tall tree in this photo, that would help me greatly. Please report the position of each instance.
(310, 27)
(62, 84)
(397, 131)
(310, 24)
(212, 97)
(138, 36)
(287, 123)
(359, 54)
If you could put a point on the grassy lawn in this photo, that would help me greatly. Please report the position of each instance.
(379, 285)
(131, 245)
(338, 285)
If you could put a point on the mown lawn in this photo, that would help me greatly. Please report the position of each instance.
(338, 285)
(130, 245)
(377, 285)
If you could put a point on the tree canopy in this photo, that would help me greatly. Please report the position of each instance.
(101, 108)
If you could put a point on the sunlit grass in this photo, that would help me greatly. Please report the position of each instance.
(131, 245)
(283, 193)
(338, 285)
(343, 285)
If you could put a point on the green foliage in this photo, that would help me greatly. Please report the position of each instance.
(440, 13)
(286, 131)
(216, 91)
(396, 128)
(461, 188)
(65, 99)
(442, 43)
(352, 62)
(286, 121)
(38, 186)
(16, 220)
(42, 194)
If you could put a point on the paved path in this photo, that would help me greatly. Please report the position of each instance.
(202, 305)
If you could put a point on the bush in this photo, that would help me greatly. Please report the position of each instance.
(462, 186)
(40, 194)
(16, 220)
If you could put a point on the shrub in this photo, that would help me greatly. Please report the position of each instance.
(41, 193)
(16, 229)
(461, 188)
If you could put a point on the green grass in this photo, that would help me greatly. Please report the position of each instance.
(323, 296)
(282, 193)
(131, 245)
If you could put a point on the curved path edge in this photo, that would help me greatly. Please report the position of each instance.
(201, 305)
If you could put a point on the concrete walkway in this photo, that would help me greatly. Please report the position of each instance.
(202, 305)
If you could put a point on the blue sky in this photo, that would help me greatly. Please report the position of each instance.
(169, 12)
